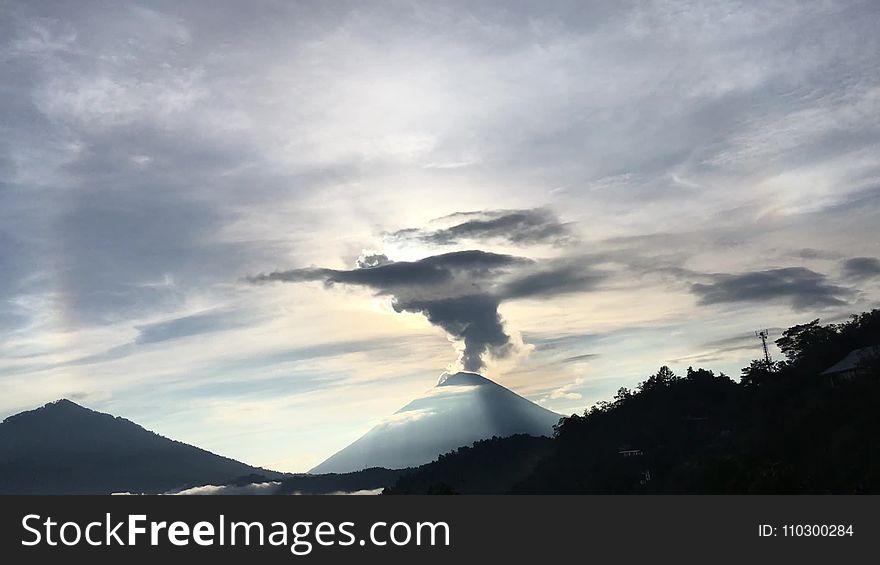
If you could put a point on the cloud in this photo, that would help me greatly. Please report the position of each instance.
(810, 253)
(742, 341)
(522, 227)
(860, 268)
(249, 489)
(466, 268)
(211, 321)
(364, 492)
(195, 324)
(372, 259)
(746, 342)
(565, 392)
(459, 292)
(800, 287)
(454, 291)
(404, 417)
(580, 358)
(561, 277)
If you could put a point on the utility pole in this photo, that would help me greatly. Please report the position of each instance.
(763, 335)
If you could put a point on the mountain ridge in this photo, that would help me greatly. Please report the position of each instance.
(65, 448)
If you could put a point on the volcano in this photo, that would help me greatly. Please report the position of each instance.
(461, 409)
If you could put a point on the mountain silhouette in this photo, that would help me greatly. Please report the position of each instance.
(64, 448)
(461, 409)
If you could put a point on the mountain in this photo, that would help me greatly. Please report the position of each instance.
(461, 409)
(64, 448)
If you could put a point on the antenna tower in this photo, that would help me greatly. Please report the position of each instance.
(763, 335)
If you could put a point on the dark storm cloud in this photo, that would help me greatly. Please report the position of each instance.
(459, 292)
(532, 226)
(800, 287)
(860, 268)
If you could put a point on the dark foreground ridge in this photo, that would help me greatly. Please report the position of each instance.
(786, 427)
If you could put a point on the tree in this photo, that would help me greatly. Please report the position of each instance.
(623, 394)
(802, 339)
(758, 372)
(699, 374)
(661, 379)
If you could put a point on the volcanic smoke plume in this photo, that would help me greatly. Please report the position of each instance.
(459, 292)
(472, 319)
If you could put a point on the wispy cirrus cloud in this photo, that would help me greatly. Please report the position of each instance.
(521, 227)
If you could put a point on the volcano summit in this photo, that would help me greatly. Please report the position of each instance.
(461, 409)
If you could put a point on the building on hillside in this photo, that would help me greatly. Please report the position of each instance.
(852, 364)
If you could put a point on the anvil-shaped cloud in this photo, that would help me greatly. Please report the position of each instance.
(459, 291)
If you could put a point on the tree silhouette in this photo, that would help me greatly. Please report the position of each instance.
(783, 428)
(662, 378)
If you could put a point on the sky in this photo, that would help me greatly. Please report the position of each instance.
(262, 227)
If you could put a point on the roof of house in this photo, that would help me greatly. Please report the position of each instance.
(852, 360)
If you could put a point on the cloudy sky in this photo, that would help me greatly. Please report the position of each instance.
(262, 227)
